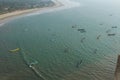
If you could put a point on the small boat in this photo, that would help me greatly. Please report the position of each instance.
(34, 69)
(78, 64)
(112, 34)
(111, 15)
(98, 37)
(82, 39)
(114, 26)
(82, 30)
(73, 26)
(108, 31)
(95, 51)
(101, 24)
(14, 50)
(31, 65)
(66, 50)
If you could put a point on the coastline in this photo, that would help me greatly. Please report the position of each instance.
(27, 11)
(59, 5)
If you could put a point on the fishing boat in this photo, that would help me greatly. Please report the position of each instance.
(114, 26)
(78, 64)
(113, 34)
(98, 37)
(14, 50)
(82, 30)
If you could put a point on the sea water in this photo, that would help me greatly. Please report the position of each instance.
(62, 51)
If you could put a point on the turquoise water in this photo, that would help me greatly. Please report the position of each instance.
(58, 48)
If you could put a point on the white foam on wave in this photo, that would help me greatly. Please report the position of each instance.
(66, 5)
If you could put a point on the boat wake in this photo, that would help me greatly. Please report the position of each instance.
(31, 64)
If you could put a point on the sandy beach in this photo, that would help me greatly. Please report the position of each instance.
(22, 12)
(59, 5)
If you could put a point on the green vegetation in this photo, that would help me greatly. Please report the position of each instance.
(13, 5)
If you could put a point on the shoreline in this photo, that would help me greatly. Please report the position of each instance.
(27, 11)
(59, 5)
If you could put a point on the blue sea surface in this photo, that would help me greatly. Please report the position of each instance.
(70, 44)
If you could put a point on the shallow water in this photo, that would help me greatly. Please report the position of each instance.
(50, 39)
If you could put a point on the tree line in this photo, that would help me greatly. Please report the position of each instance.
(13, 5)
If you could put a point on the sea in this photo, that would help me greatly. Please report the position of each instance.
(76, 43)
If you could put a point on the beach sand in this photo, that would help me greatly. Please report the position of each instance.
(22, 12)
(59, 5)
